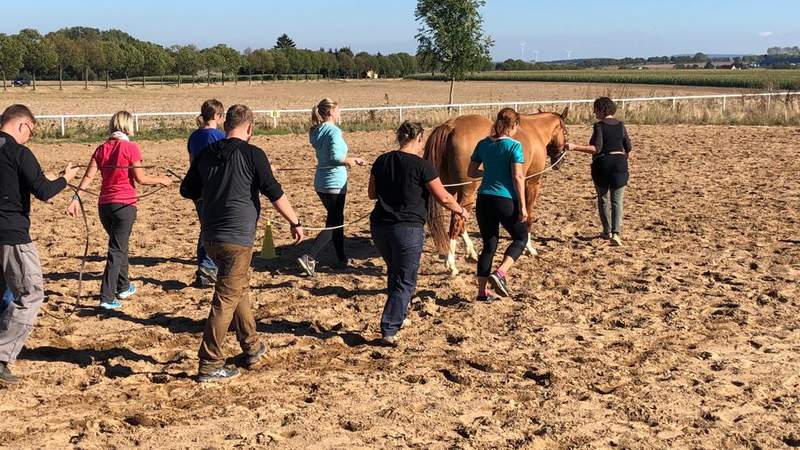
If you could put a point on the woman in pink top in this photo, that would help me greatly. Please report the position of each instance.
(119, 162)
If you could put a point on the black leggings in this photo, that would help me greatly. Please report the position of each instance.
(334, 204)
(493, 211)
(117, 219)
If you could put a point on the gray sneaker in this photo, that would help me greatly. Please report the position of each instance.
(6, 377)
(389, 341)
(499, 284)
(308, 264)
(252, 360)
(616, 241)
(221, 374)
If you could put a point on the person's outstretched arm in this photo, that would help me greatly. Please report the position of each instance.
(91, 170)
(41, 187)
(519, 185)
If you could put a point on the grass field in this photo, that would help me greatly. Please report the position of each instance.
(746, 79)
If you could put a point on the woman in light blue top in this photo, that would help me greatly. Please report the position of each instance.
(330, 181)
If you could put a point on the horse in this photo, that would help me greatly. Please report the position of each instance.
(449, 148)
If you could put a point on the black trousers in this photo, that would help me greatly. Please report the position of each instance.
(117, 219)
(493, 211)
(334, 205)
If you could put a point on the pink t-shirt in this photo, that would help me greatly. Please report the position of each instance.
(118, 183)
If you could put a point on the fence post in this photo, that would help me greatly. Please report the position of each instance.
(459, 110)
(516, 107)
(401, 114)
(63, 127)
(136, 123)
(724, 104)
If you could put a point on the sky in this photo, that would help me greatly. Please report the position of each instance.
(556, 29)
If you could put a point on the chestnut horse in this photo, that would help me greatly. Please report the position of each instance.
(449, 148)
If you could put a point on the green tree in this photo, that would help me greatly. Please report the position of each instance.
(212, 61)
(284, 42)
(187, 61)
(110, 58)
(10, 56)
(281, 62)
(452, 30)
(230, 61)
(262, 61)
(39, 55)
(157, 61)
(132, 60)
(65, 51)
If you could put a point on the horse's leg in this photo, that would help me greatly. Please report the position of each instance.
(456, 225)
(532, 191)
(467, 201)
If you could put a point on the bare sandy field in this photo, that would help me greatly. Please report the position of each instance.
(688, 336)
(304, 94)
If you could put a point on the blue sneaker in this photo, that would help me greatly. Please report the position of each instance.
(116, 304)
(127, 293)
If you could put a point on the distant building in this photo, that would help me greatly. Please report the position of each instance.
(371, 74)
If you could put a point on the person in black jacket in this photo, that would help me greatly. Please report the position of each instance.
(229, 176)
(20, 177)
(609, 147)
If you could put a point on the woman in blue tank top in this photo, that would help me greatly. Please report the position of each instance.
(330, 181)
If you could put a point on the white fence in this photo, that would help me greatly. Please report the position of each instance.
(275, 114)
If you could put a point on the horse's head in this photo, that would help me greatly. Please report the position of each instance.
(556, 148)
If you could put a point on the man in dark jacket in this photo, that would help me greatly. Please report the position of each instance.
(20, 177)
(229, 176)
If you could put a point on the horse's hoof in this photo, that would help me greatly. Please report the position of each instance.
(472, 258)
(454, 273)
(532, 251)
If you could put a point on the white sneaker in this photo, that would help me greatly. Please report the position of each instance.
(616, 241)
(308, 264)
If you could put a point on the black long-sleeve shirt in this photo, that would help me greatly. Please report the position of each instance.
(228, 176)
(610, 135)
(20, 177)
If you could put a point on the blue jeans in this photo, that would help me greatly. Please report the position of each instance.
(8, 298)
(400, 246)
(202, 256)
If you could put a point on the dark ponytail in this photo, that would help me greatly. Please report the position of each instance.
(409, 131)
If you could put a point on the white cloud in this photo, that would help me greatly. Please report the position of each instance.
(765, 33)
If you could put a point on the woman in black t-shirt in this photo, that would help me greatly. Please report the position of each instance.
(609, 147)
(401, 182)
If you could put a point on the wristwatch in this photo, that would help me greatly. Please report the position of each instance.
(76, 197)
(295, 225)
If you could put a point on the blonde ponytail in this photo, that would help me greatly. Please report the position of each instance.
(322, 111)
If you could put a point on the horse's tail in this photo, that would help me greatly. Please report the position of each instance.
(435, 149)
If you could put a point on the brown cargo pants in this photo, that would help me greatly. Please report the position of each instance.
(231, 303)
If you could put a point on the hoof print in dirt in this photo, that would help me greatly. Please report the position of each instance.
(792, 440)
(454, 377)
(455, 339)
(544, 379)
(465, 431)
(355, 423)
(140, 420)
(416, 379)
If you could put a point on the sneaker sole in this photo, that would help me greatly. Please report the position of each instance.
(498, 286)
(305, 267)
(216, 379)
(251, 361)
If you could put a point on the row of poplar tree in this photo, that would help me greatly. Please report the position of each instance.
(81, 53)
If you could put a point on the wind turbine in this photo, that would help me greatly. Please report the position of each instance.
(536, 56)
(569, 54)
(522, 47)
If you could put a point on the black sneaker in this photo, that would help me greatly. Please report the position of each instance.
(205, 277)
(308, 264)
(499, 284)
(6, 377)
(486, 298)
(221, 374)
(252, 360)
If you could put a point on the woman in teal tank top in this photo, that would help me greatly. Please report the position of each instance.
(330, 181)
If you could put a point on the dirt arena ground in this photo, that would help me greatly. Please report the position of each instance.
(686, 337)
(304, 94)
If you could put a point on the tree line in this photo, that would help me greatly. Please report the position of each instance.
(81, 53)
